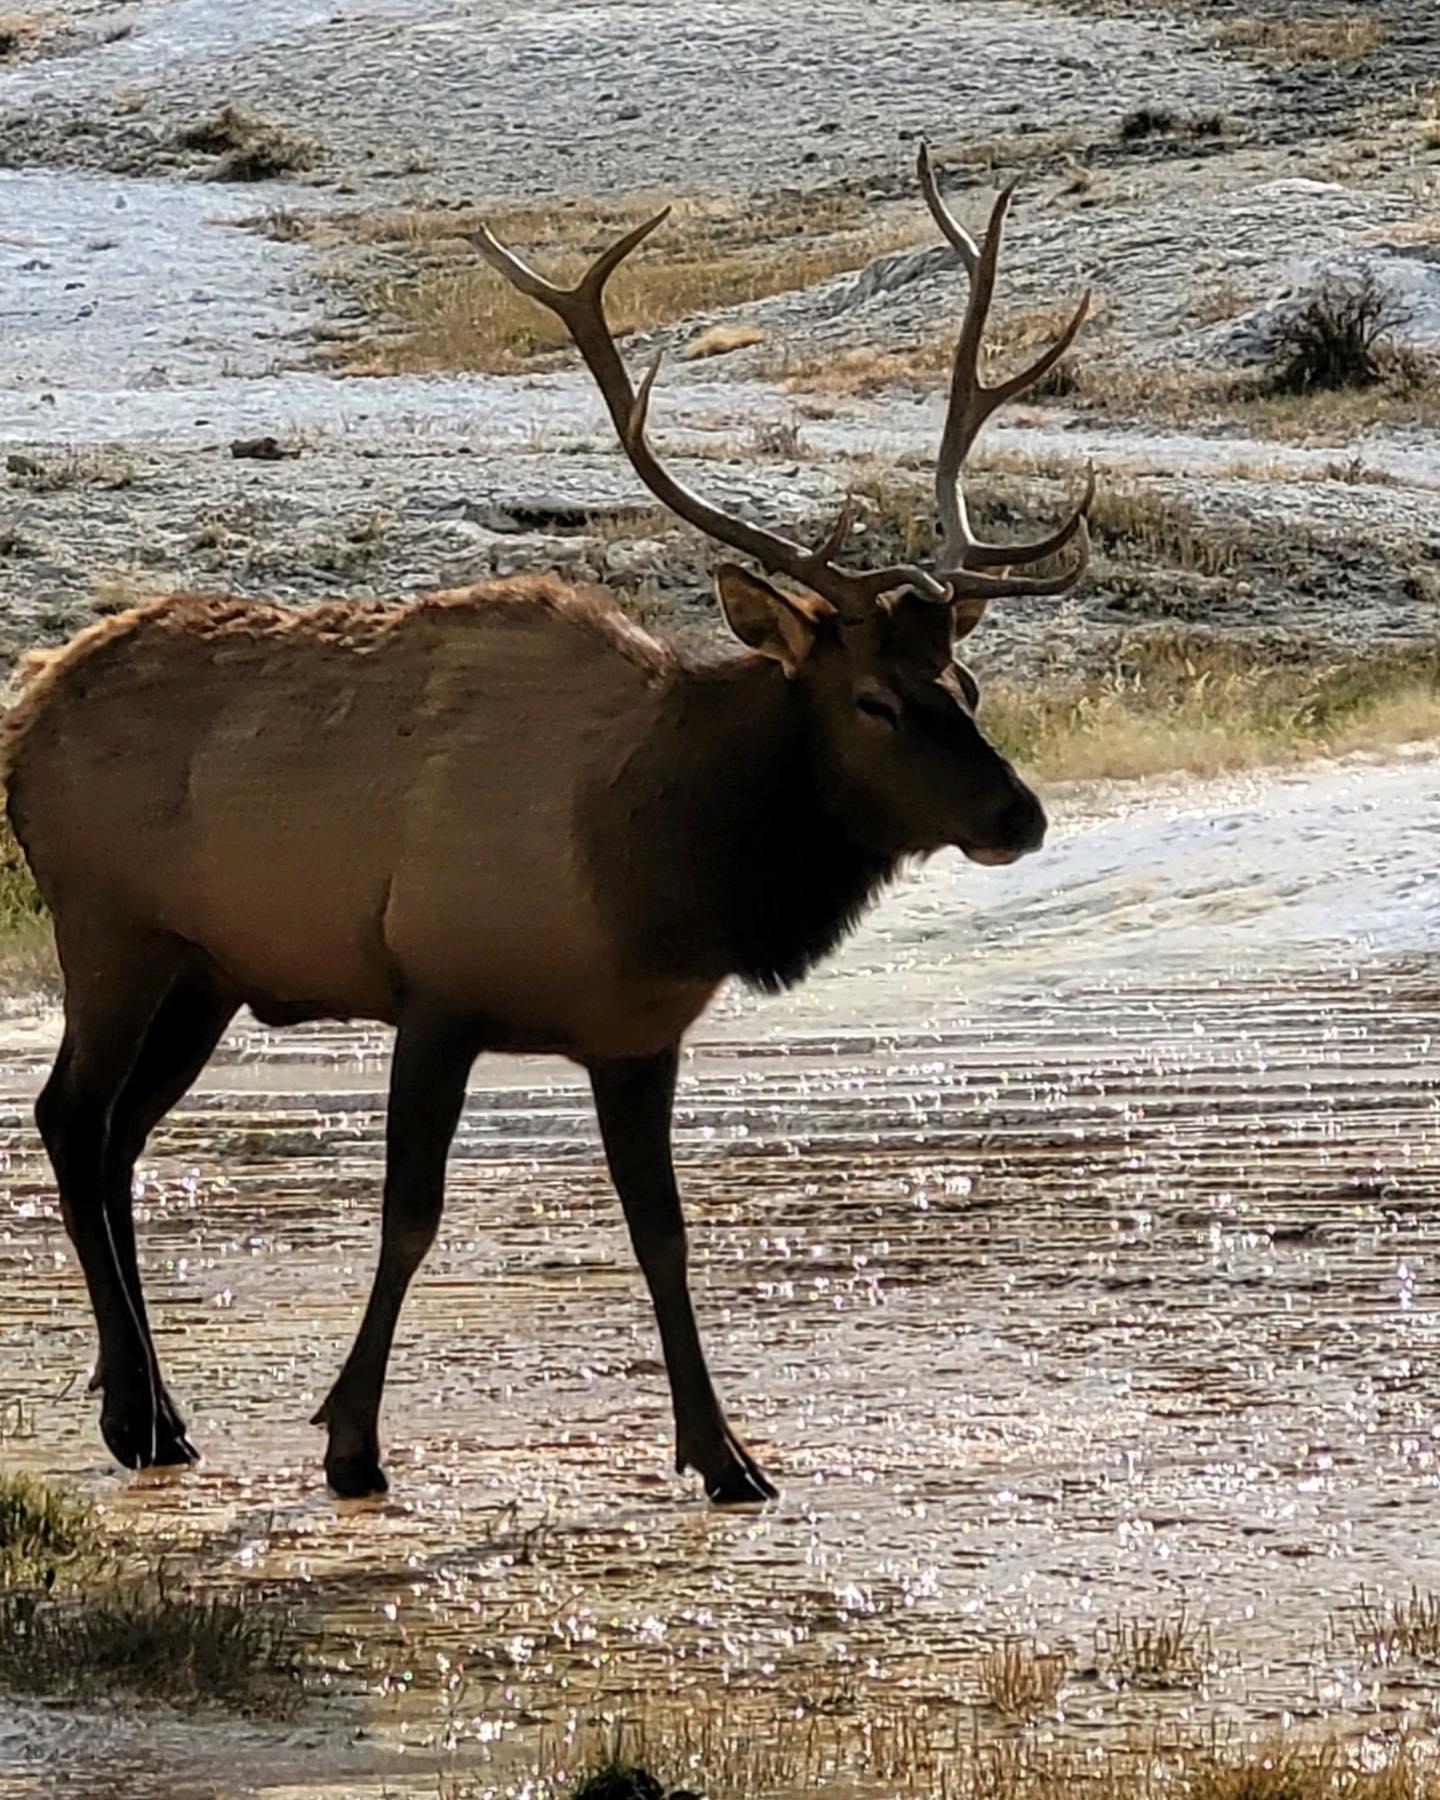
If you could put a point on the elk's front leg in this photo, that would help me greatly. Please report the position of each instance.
(427, 1091)
(634, 1099)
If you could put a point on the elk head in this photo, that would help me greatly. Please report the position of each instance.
(898, 753)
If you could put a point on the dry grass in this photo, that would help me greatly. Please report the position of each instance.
(1020, 1681)
(19, 31)
(722, 340)
(1139, 524)
(454, 313)
(1157, 1653)
(863, 371)
(1177, 702)
(54, 472)
(1011, 340)
(1390, 1631)
(930, 1750)
(117, 590)
(1187, 397)
(1131, 522)
(1343, 38)
(1430, 119)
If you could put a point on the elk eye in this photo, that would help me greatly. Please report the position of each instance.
(878, 707)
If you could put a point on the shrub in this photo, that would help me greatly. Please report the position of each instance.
(1337, 339)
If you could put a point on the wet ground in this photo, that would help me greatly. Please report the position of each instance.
(1067, 1249)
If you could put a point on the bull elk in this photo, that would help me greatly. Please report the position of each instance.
(498, 818)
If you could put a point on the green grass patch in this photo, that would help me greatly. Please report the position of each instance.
(43, 1533)
(74, 1625)
(27, 946)
(140, 1637)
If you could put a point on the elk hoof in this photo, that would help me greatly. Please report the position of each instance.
(142, 1440)
(731, 1474)
(355, 1477)
(745, 1485)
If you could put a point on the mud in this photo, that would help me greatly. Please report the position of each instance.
(1064, 1249)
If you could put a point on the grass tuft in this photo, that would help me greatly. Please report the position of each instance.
(1158, 1654)
(41, 1532)
(1020, 1681)
(1396, 1630)
(141, 1638)
(620, 1781)
(71, 1625)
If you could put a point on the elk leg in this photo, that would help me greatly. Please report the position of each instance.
(108, 1010)
(634, 1101)
(427, 1091)
(181, 1039)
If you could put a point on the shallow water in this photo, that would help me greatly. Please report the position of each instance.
(1066, 1249)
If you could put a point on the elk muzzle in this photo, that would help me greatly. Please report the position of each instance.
(1015, 827)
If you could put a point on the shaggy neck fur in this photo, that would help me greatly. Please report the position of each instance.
(716, 846)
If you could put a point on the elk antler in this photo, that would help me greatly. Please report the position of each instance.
(582, 311)
(962, 556)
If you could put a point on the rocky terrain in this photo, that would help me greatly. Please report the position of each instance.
(1203, 167)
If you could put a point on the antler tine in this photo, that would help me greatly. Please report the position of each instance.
(951, 229)
(963, 556)
(1005, 556)
(582, 310)
(971, 402)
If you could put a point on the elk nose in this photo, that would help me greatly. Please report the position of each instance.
(1021, 826)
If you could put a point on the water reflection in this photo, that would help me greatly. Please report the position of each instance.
(1065, 1250)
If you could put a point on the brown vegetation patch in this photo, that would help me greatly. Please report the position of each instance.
(863, 371)
(1187, 702)
(1020, 1681)
(20, 32)
(1344, 37)
(452, 312)
(722, 340)
(248, 148)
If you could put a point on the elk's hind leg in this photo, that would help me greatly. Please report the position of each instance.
(427, 1091)
(115, 981)
(634, 1100)
(181, 1039)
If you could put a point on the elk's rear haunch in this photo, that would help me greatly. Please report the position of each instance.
(501, 818)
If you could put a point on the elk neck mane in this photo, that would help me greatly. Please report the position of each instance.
(719, 852)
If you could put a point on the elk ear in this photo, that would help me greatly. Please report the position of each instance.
(763, 618)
